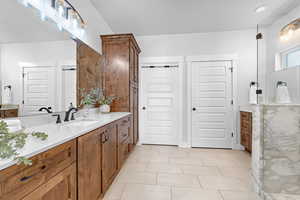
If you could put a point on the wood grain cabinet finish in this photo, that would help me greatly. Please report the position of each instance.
(109, 155)
(18, 181)
(89, 165)
(246, 130)
(9, 113)
(121, 76)
(62, 186)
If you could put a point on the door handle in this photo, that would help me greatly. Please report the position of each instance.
(144, 108)
(194, 109)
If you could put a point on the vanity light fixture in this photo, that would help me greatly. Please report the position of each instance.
(62, 12)
(289, 30)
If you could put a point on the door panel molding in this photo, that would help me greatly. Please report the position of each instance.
(162, 61)
(213, 58)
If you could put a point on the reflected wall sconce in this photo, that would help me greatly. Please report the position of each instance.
(62, 12)
(289, 30)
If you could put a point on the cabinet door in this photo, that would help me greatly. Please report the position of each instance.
(109, 155)
(89, 166)
(62, 187)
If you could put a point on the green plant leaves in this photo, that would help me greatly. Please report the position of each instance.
(11, 142)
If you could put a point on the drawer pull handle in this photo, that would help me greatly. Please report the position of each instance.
(124, 135)
(25, 178)
(106, 138)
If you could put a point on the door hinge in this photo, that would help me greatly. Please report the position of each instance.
(232, 134)
(231, 102)
(231, 69)
(23, 102)
(23, 74)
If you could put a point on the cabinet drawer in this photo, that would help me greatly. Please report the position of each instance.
(123, 129)
(19, 180)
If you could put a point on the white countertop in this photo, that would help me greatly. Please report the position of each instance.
(246, 108)
(59, 134)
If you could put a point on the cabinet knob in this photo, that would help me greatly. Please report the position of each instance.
(194, 109)
(144, 108)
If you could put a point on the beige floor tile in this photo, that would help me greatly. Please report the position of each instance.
(163, 168)
(284, 197)
(200, 170)
(224, 183)
(137, 177)
(134, 167)
(179, 180)
(146, 192)
(237, 172)
(185, 161)
(234, 195)
(195, 194)
(115, 191)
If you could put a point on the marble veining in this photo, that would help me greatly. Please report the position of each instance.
(59, 134)
(276, 161)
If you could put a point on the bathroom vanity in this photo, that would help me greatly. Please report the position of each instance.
(79, 160)
(246, 128)
(8, 111)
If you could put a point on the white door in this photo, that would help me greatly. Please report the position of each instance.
(39, 89)
(69, 75)
(160, 105)
(212, 118)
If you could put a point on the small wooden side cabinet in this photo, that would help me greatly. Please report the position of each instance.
(8, 113)
(246, 130)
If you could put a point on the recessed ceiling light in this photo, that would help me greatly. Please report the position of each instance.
(260, 9)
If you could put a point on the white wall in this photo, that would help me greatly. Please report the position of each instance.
(274, 45)
(34, 54)
(95, 24)
(240, 43)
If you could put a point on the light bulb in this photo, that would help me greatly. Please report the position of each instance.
(260, 9)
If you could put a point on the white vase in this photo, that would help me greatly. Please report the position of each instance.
(104, 108)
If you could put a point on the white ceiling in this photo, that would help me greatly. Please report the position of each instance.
(21, 24)
(151, 17)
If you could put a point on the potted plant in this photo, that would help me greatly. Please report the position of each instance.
(105, 102)
(89, 99)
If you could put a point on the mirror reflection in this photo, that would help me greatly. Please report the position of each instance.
(38, 65)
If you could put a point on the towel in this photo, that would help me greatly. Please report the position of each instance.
(282, 94)
(7, 96)
(252, 93)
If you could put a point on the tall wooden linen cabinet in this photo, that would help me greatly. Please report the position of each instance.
(121, 76)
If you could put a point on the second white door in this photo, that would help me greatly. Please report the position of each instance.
(160, 106)
(212, 120)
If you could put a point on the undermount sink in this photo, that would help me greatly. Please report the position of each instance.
(81, 123)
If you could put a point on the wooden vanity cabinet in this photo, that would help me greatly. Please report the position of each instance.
(62, 186)
(121, 76)
(246, 130)
(9, 113)
(89, 165)
(109, 155)
(53, 169)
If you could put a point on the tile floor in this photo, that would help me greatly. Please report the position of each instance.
(172, 173)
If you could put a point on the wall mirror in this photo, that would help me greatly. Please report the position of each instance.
(39, 66)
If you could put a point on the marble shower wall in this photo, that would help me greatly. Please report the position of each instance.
(276, 159)
(281, 149)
